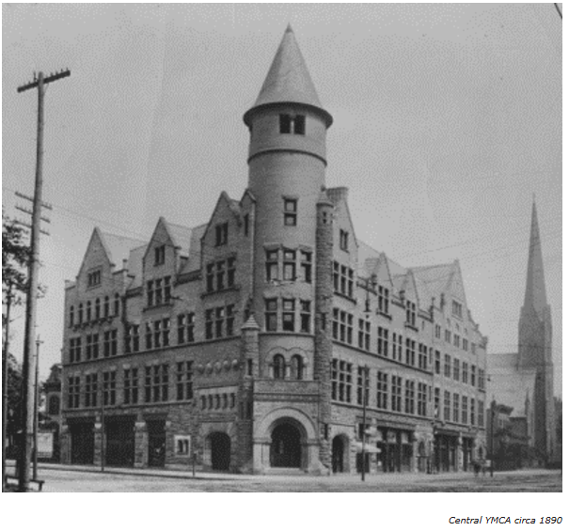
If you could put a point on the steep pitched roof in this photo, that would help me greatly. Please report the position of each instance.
(288, 79)
(180, 236)
(535, 295)
(118, 247)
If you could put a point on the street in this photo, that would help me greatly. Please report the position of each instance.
(72, 479)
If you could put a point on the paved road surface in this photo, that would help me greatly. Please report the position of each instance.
(82, 480)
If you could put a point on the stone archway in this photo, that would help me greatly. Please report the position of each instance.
(286, 437)
(286, 448)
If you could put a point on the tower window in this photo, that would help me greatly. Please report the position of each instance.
(290, 214)
(292, 124)
(222, 234)
(299, 125)
(344, 240)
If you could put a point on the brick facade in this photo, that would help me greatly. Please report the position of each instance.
(242, 344)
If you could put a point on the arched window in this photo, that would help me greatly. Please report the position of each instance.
(278, 367)
(97, 308)
(117, 305)
(53, 408)
(88, 310)
(80, 317)
(297, 368)
(106, 307)
(71, 315)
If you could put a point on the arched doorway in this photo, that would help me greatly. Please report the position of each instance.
(338, 452)
(285, 446)
(220, 446)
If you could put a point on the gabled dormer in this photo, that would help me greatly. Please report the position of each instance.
(97, 263)
(409, 298)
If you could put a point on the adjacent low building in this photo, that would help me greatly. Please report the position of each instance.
(251, 342)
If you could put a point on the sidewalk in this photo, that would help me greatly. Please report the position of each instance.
(392, 478)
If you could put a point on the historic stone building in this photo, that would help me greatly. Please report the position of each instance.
(524, 380)
(249, 343)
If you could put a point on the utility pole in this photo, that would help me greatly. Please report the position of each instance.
(492, 436)
(5, 365)
(39, 82)
(36, 409)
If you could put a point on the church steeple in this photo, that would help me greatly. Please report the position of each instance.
(535, 296)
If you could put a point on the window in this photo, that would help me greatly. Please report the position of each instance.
(464, 410)
(410, 314)
(71, 315)
(456, 309)
(209, 277)
(343, 279)
(159, 255)
(336, 276)
(364, 334)
(383, 300)
(94, 278)
(278, 367)
(92, 346)
(74, 349)
(230, 315)
(343, 242)
(447, 366)
(90, 390)
(448, 336)
(109, 388)
(246, 225)
(110, 343)
(437, 362)
(88, 313)
(438, 331)
(409, 401)
(410, 352)
(148, 335)
(362, 385)
(73, 391)
(184, 334)
(222, 234)
(80, 314)
(342, 326)
(220, 274)
(271, 314)
(455, 369)
(290, 212)
(106, 307)
(465, 344)
(289, 265)
(306, 316)
(184, 381)
(382, 391)
(481, 414)
(271, 265)
(456, 340)
(156, 383)
(299, 125)
(481, 379)
(397, 347)
(53, 406)
(446, 406)
(133, 340)
(456, 408)
(341, 378)
(422, 356)
(97, 308)
(306, 266)
(131, 386)
(473, 375)
(383, 342)
(288, 315)
(396, 394)
(117, 304)
(291, 124)
(436, 403)
(465, 373)
(231, 262)
(472, 412)
(220, 318)
(297, 367)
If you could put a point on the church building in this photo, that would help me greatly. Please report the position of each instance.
(524, 380)
(270, 338)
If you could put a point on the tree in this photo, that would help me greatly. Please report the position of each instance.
(14, 419)
(15, 257)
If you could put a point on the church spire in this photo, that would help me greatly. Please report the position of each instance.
(535, 296)
(288, 80)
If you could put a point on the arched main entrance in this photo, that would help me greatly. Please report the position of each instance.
(285, 446)
(338, 452)
(220, 446)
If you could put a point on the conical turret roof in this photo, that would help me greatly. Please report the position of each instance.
(535, 296)
(288, 80)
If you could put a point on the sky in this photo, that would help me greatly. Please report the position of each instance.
(447, 119)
